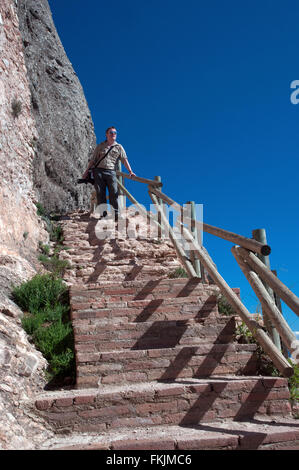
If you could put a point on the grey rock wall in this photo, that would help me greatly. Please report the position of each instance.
(65, 129)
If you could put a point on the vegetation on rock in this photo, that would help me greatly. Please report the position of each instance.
(44, 301)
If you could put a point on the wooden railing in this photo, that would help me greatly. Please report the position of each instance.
(245, 252)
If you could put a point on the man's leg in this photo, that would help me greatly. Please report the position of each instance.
(100, 187)
(113, 191)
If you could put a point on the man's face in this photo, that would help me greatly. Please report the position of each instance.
(111, 135)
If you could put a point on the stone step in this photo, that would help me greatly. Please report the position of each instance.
(163, 299)
(145, 301)
(120, 367)
(180, 287)
(183, 403)
(125, 298)
(129, 255)
(99, 335)
(260, 434)
(140, 311)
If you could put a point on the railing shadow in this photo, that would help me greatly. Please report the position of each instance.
(210, 362)
(202, 406)
(247, 440)
(246, 412)
(147, 289)
(189, 287)
(99, 266)
(130, 276)
(148, 311)
(161, 335)
(178, 364)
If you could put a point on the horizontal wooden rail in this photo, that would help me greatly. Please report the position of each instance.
(248, 243)
(179, 250)
(167, 199)
(266, 275)
(277, 358)
(139, 179)
(139, 206)
(268, 304)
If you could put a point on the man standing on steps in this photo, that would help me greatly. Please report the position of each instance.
(107, 154)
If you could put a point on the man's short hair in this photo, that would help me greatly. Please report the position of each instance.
(112, 127)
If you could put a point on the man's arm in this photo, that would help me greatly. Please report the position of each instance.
(128, 167)
(125, 161)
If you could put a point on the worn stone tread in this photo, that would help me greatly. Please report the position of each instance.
(230, 435)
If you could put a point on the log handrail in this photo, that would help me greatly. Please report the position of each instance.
(245, 242)
(139, 179)
(278, 359)
(267, 302)
(254, 270)
(265, 273)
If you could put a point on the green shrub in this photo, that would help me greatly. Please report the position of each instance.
(44, 300)
(244, 335)
(40, 292)
(179, 272)
(64, 361)
(41, 211)
(45, 249)
(265, 365)
(56, 233)
(52, 339)
(31, 323)
(224, 307)
(294, 382)
(54, 264)
(16, 107)
(55, 230)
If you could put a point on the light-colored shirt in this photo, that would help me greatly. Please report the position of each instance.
(109, 162)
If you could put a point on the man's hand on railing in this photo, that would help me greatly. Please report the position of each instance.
(132, 174)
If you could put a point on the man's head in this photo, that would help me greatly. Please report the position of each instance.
(111, 134)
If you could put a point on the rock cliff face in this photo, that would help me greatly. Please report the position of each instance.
(20, 228)
(20, 231)
(46, 134)
(65, 135)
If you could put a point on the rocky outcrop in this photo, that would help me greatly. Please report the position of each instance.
(21, 376)
(65, 135)
(21, 230)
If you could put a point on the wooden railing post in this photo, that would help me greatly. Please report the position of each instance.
(267, 302)
(121, 195)
(260, 236)
(178, 248)
(160, 202)
(278, 305)
(196, 262)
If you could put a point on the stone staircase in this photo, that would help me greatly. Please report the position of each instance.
(158, 367)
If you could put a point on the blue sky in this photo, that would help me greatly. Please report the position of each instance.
(200, 94)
